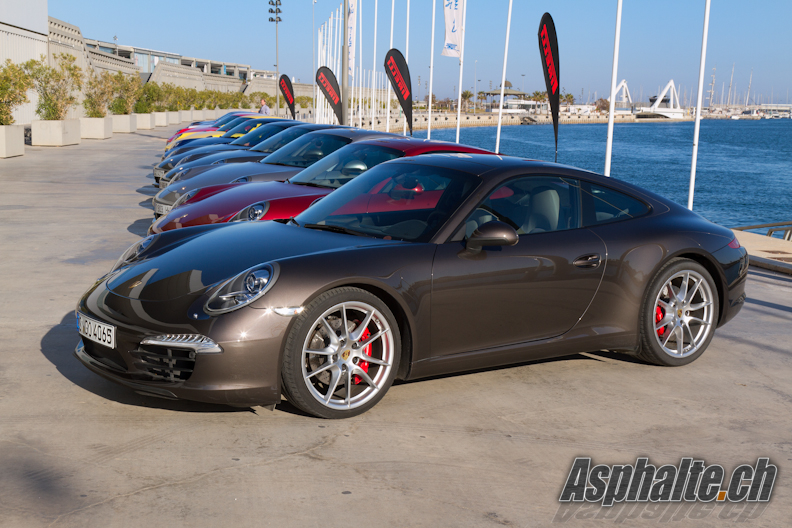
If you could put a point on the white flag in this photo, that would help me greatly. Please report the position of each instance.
(352, 21)
(453, 9)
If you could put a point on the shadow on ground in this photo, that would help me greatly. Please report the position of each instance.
(139, 227)
(58, 345)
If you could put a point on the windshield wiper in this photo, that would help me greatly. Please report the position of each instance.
(337, 229)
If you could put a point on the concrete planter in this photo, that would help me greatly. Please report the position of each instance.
(173, 117)
(160, 119)
(197, 115)
(210, 114)
(144, 121)
(96, 127)
(185, 115)
(12, 141)
(124, 123)
(56, 133)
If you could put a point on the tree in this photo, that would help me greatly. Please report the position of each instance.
(467, 95)
(602, 105)
(126, 89)
(98, 92)
(150, 99)
(14, 84)
(55, 86)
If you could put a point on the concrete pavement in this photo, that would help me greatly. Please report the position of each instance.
(480, 449)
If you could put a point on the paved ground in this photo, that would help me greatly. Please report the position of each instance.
(483, 449)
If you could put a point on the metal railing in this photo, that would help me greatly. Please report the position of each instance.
(777, 227)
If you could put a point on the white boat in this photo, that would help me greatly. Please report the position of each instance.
(666, 105)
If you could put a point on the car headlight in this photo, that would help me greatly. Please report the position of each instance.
(243, 179)
(134, 252)
(184, 197)
(251, 213)
(242, 289)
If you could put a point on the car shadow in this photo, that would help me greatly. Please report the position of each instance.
(58, 345)
(140, 227)
(148, 190)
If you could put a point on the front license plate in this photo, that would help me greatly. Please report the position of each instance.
(162, 209)
(101, 333)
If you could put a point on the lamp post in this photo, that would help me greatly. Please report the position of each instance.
(475, 85)
(275, 10)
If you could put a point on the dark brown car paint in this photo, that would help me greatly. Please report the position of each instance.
(452, 332)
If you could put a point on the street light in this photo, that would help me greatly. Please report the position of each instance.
(475, 85)
(276, 11)
(523, 76)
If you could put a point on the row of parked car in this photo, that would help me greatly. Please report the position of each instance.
(287, 165)
(384, 258)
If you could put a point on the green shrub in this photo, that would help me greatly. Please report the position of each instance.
(55, 86)
(14, 84)
(149, 99)
(98, 92)
(127, 89)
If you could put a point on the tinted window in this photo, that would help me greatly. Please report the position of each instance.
(280, 139)
(603, 205)
(234, 122)
(244, 128)
(344, 164)
(534, 204)
(256, 136)
(394, 201)
(307, 150)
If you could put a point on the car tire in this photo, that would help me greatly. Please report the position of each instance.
(679, 314)
(333, 370)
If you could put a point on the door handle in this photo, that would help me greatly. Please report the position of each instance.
(588, 261)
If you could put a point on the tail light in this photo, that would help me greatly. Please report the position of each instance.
(734, 244)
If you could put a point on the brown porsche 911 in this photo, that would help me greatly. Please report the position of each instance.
(420, 266)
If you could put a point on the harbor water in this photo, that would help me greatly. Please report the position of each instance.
(744, 174)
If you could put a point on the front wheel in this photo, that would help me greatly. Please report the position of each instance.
(342, 354)
(679, 314)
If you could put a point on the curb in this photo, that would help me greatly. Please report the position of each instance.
(773, 265)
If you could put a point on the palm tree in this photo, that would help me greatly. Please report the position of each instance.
(467, 95)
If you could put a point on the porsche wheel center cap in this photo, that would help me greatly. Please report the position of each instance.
(345, 355)
(679, 313)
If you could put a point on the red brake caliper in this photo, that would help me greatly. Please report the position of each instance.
(659, 314)
(364, 365)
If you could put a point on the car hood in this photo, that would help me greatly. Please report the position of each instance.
(229, 154)
(227, 173)
(193, 263)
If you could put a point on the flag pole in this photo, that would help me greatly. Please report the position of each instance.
(431, 70)
(698, 105)
(614, 76)
(387, 110)
(461, 64)
(359, 61)
(503, 78)
(407, 58)
(374, 67)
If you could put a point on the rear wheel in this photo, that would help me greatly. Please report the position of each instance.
(342, 354)
(679, 314)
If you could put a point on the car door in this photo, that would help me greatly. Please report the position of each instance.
(537, 289)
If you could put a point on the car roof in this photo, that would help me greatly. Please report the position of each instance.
(355, 133)
(414, 146)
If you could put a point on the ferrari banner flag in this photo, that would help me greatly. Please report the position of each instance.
(548, 50)
(329, 86)
(286, 89)
(399, 76)
(352, 35)
(453, 9)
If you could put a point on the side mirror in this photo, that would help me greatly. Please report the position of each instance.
(492, 233)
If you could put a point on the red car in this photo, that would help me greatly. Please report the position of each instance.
(273, 200)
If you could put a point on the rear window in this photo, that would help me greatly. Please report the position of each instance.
(603, 205)
(307, 150)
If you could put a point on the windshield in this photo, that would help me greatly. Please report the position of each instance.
(344, 164)
(282, 138)
(307, 150)
(394, 201)
(234, 122)
(225, 119)
(257, 135)
(244, 128)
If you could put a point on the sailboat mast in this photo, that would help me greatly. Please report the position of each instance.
(748, 94)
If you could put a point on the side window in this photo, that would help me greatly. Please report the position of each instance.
(532, 204)
(602, 205)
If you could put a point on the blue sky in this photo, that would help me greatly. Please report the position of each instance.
(659, 41)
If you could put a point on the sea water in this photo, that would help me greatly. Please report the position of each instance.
(744, 169)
